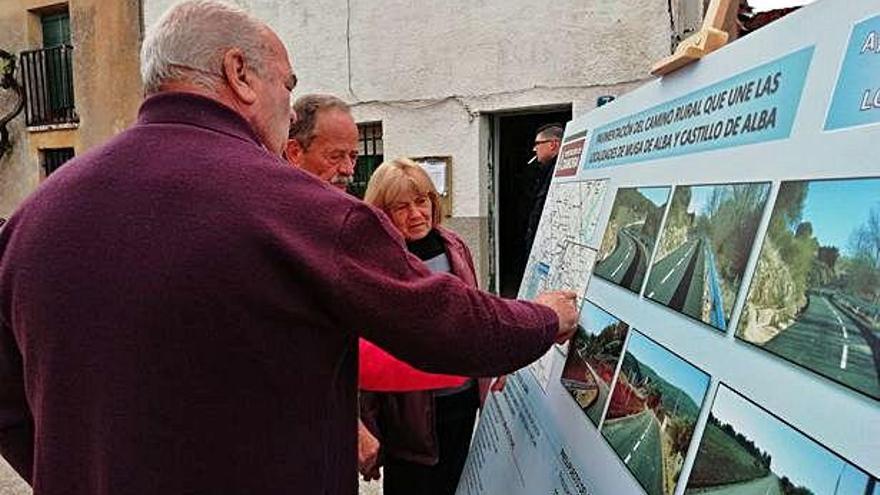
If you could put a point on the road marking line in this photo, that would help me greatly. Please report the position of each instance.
(688, 255)
(843, 357)
(651, 295)
(839, 320)
(638, 443)
(621, 262)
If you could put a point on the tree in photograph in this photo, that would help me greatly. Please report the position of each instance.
(864, 271)
(678, 223)
(789, 488)
(680, 433)
(867, 238)
(828, 255)
(733, 215)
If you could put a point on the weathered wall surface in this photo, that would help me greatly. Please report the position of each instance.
(106, 83)
(434, 72)
(106, 36)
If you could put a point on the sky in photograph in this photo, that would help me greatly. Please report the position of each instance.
(593, 319)
(761, 5)
(804, 461)
(656, 195)
(700, 199)
(700, 195)
(670, 367)
(836, 208)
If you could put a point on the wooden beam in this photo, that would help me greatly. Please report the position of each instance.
(709, 38)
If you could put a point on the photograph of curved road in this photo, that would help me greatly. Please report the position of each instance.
(768, 485)
(704, 248)
(747, 451)
(631, 235)
(652, 411)
(593, 354)
(829, 340)
(641, 434)
(815, 297)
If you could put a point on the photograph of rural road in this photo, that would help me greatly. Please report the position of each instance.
(631, 235)
(592, 359)
(815, 296)
(704, 248)
(748, 451)
(652, 411)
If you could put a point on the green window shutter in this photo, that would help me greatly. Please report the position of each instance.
(56, 29)
(57, 62)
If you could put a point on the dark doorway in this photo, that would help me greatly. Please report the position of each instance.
(516, 136)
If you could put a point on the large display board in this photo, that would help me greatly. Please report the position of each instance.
(722, 227)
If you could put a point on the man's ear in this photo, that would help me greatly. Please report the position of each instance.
(239, 78)
(294, 152)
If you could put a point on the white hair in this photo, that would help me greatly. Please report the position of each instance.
(190, 39)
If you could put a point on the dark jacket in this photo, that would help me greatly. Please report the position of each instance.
(405, 423)
(541, 187)
(175, 317)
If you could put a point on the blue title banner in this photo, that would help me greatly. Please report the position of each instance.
(755, 106)
(856, 98)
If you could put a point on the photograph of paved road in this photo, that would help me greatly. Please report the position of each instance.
(815, 296)
(631, 235)
(652, 411)
(747, 451)
(704, 248)
(593, 354)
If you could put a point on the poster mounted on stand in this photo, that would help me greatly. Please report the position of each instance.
(722, 230)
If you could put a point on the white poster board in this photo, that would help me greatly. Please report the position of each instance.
(729, 215)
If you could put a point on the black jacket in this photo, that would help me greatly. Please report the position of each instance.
(541, 186)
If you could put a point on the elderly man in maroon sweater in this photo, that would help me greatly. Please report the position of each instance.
(179, 308)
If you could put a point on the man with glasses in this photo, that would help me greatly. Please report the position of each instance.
(323, 140)
(547, 141)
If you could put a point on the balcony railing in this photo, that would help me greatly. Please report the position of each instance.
(48, 85)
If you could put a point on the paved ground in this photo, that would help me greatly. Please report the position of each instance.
(768, 485)
(10, 483)
(827, 340)
(636, 438)
(374, 488)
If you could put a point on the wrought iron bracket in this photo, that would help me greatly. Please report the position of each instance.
(9, 83)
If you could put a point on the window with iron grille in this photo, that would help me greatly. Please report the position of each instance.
(54, 158)
(48, 74)
(370, 156)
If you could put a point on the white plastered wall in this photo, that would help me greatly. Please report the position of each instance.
(429, 70)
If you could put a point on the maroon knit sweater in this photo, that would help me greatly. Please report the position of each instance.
(179, 314)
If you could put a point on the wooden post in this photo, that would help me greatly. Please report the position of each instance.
(709, 38)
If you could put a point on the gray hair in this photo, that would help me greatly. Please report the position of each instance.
(190, 39)
(306, 109)
(551, 131)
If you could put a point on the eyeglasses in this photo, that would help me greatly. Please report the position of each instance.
(542, 141)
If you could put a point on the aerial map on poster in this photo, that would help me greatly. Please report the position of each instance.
(721, 228)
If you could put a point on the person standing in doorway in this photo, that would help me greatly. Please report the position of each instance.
(548, 139)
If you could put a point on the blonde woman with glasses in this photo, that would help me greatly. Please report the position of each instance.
(423, 421)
